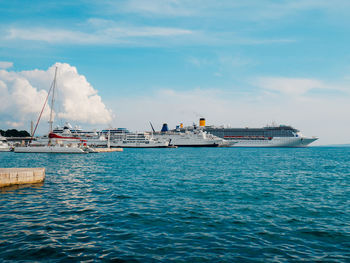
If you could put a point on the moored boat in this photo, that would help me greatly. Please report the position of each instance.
(190, 138)
(137, 140)
(55, 143)
(4, 146)
(50, 149)
(91, 138)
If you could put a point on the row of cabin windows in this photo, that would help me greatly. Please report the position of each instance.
(286, 133)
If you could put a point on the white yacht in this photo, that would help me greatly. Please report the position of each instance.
(54, 143)
(4, 146)
(90, 138)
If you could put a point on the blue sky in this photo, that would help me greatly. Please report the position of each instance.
(242, 63)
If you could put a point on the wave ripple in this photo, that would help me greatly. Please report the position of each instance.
(181, 205)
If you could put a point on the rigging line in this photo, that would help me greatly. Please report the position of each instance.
(47, 97)
(37, 122)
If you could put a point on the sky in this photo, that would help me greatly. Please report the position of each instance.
(125, 63)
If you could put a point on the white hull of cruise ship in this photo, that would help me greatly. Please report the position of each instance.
(132, 142)
(191, 139)
(274, 142)
(121, 144)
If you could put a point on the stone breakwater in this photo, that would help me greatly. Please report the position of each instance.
(16, 176)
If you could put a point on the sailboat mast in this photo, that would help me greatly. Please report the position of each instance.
(52, 101)
(109, 139)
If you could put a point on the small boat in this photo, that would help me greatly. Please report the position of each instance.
(4, 146)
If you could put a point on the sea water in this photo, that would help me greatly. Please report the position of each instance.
(180, 205)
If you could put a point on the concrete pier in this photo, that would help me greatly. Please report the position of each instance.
(108, 150)
(16, 176)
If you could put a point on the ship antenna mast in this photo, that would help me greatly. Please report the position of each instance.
(52, 100)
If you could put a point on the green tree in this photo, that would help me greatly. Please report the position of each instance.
(14, 133)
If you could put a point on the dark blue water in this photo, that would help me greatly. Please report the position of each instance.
(180, 205)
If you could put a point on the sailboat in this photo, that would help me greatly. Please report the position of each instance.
(55, 143)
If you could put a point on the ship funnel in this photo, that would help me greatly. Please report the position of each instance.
(202, 122)
(165, 127)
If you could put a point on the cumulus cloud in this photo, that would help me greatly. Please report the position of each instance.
(19, 99)
(24, 93)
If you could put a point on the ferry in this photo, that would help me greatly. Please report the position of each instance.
(125, 139)
(269, 136)
(190, 138)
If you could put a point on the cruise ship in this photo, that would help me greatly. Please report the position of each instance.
(190, 138)
(120, 137)
(270, 136)
(123, 138)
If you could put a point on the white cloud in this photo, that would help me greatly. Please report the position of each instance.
(199, 62)
(50, 35)
(290, 86)
(108, 32)
(159, 7)
(98, 32)
(201, 30)
(19, 98)
(252, 10)
(146, 32)
(24, 93)
(14, 124)
(5, 64)
(300, 88)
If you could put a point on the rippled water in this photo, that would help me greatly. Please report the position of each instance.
(182, 205)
